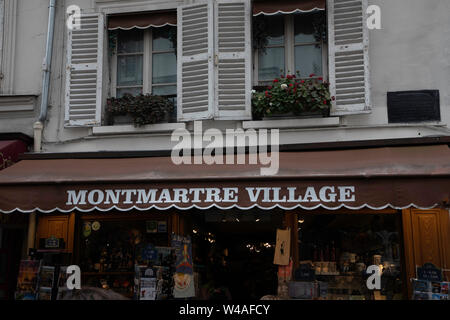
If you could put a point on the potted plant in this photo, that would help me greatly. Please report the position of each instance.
(289, 97)
(141, 109)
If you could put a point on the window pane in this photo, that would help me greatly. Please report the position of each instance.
(308, 59)
(271, 64)
(161, 38)
(132, 91)
(164, 90)
(130, 41)
(164, 68)
(129, 70)
(304, 29)
(275, 30)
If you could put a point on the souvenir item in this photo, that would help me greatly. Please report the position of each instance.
(282, 247)
(27, 280)
(183, 251)
(87, 228)
(183, 285)
(152, 226)
(95, 225)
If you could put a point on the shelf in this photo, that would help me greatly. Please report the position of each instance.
(115, 273)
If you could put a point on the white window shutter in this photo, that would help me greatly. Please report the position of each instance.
(83, 101)
(233, 59)
(348, 56)
(195, 61)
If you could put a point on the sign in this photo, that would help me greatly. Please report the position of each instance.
(208, 196)
(282, 247)
(51, 243)
(429, 272)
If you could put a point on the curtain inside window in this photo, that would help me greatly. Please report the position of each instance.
(270, 7)
(154, 19)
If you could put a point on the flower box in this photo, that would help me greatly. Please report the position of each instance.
(139, 110)
(289, 97)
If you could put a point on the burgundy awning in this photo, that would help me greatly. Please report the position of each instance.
(142, 20)
(10, 151)
(377, 178)
(269, 7)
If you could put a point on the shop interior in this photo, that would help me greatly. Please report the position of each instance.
(341, 246)
(233, 253)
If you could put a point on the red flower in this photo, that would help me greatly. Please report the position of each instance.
(266, 93)
(275, 80)
(320, 78)
(303, 81)
(291, 85)
(312, 75)
(325, 102)
(282, 77)
(269, 87)
(289, 77)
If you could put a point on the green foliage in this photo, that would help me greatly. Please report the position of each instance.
(144, 109)
(289, 95)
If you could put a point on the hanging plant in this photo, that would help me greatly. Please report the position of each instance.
(260, 33)
(112, 37)
(172, 35)
(319, 21)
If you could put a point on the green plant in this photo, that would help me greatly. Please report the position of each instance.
(291, 95)
(144, 109)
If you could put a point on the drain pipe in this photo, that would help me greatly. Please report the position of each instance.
(39, 125)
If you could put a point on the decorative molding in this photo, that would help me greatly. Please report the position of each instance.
(9, 46)
(17, 103)
(292, 123)
(130, 129)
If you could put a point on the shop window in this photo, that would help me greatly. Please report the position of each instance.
(110, 250)
(340, 248)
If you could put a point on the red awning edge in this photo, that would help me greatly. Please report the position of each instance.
(287, 7)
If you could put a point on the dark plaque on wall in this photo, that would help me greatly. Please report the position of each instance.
(413, 106)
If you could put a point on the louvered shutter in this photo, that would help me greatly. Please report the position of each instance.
(348, 56)
(195, 56)
(84, 72)
(233, 69)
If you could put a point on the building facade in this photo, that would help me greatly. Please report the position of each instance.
(371, 166)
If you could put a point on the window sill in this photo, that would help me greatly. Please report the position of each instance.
(131, 129)
(292, 123)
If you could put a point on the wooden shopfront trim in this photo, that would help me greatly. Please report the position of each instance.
(426, 239)
(59, 226)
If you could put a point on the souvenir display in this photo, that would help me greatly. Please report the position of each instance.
(27, 281)
(428, 285)
(339, 250)
(111, 249)
(45, 282)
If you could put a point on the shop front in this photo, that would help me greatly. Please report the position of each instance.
(204, 232)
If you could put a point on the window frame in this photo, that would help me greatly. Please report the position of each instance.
(147, 74)
(289, 53)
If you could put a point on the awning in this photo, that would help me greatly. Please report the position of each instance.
(378, 178)
(9, 152)
(142, 20)
(269, 7)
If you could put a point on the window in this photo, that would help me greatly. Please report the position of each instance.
(292, 47)
(145, 62)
